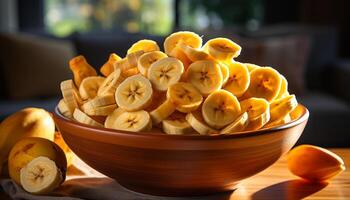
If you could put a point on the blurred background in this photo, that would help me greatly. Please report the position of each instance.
(306, 40)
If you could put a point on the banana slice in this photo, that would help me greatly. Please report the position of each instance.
(205, 75)
(108, 67)
(195, 119)
(225, 73)
(70, 95)
(130, 61)
(238, 125)
(176, 124)
(134, 93)
(222, 48)
(275, 123)
(185, 37)
(220, 109)
(132, 121)
(144, 45)
(284, 88)
(99, 101)
(162, 112)
(250, 66)
(63, 108)
(165, 72)
(192, 53)
(41, 176)
(110, 84)
(131, 72)
(265, 82)
(81, 117)
(147, 59)
(100, 110)
(81, 69)
(239, 80)
(258, 112)
(89, 87)
(280, 108)
(112, 117)
(185, 97)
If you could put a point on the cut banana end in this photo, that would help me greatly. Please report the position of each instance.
(134, 93)
(258, 112)
(196, 120)
(185, 97)
(165, 72)
(176, 124)
(147, 59)
(238, 80)
(220, 109)
(89, 87)
(280, 108)
(223, 48)
(110, 84)
(144, 45)
(63, 108)
(205, 75)
(41, 176)
(238, 125)
(162, 112)
(132, 121)
(82, 117)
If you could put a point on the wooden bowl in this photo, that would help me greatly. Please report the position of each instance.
(178, 165)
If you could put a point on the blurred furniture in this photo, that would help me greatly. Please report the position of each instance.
(306, 55)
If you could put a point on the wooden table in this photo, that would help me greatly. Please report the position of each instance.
(277, 182)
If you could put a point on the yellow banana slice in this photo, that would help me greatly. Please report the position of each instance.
(112, 117)
(99, 101)
(130, 61)
(135, 121)
(110, 84)
(134, 93)
(147, 59)
(185, 97)
(131, 72)
(223, 49)
(81, 69)
(108, 67)
(70, 95)
(275, 123)
(250, 66)
(176, 124)
(162, 112)
(192, 53)
(236, 126)
(225, 73)
(258, 112)
(220, 109)
(195, 119)
(100, 110)
(265, 82)
(89, 87)
(165, 72)
(81, 117)
(144, 45)
(280, 108)
(185, 37)
(239, 80)
(63, 108)
(205, 75)
(284, 88)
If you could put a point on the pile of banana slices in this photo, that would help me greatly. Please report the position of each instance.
(187, 89)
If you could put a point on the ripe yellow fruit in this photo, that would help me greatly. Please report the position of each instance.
(29, 122)
(30, 148)
(314, 163)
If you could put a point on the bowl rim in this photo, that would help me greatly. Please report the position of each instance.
(242, 134)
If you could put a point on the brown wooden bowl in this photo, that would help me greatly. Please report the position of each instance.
(178, 165)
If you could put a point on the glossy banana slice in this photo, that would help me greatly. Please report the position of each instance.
(81, 69)
(99, 101)
(100, 110)
(275, 123)
(147, 59)
(70, 95)
(165, 72)
(239, 79)
(220, 109)
(197, 122)
(81, 117)
(110, 84)
(250, 66)
(265, 82)
(205, 75)
(223, 49)
(144, 45)
(162, 112)
(258, 112)
(134, 93)
(176, 124)
(284, 88)
(63, 108)
(130, 61)
(135, 121)
(185, 37)
(112, 117)
(192, 53)
(89, 87)
(280, 108)
(185, 97)
(225, 72)
(236, 126)
(108, 67)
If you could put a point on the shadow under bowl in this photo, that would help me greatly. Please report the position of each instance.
(180, 165)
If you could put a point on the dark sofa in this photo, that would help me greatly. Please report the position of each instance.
(306, 55)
